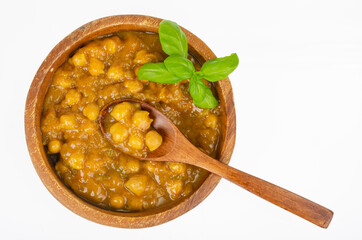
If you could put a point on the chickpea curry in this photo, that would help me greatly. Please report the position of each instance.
(104, 70)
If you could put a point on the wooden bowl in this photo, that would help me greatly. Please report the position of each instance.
(44, 168)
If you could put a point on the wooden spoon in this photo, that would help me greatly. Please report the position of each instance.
(176, 148)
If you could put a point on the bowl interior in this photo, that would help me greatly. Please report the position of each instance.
(44, 168)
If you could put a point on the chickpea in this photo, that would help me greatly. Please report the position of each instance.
(141, 119)
(62, 81)
(164, 95)
(115, 72)
(54, 146)
(135, 203)
(174, 187)
(151, 186)
(60, 168)
(133, 165)
(134, 86)
(94, 162)
(95, 67)
(72, 97)
(178, 168)
(150, 166)
(143, 57)
(94, 191)
(135, 142)
(76, 143)
(76, 160)
(153, 140)
(129, 74)
(211, 121)
(117, 202)
(111, 44)
(118, 132)
(95, 50)
(66, 83)
(109, 93)
(91, 111)
(113, 180)
(50, 122)
(88, 127)
(137, 184)
(79, 59)
(122, 111)
(68, 122)
(128, 164)
(132, 43)
(90, 95)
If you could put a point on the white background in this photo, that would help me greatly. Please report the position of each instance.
(298, 103)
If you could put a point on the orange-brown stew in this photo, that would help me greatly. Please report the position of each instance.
(101, 71)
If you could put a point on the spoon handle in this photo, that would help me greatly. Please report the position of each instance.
(281, 197)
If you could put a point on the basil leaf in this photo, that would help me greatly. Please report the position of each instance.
(157, 72)
(197, 88)
(201, 94)
(173, 39)
(179, 66)
(209, 100)
(219, 68)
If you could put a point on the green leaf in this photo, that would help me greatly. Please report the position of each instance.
(209, 100)
(219, 68)
(179, 66)
(173, 39)
(197, 88)
(157, 72)
(201, 94)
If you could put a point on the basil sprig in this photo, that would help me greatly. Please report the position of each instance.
(177, 67)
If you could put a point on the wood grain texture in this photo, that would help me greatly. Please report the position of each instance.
(33, 111)
(176, 147)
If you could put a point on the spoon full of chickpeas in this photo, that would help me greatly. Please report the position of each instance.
(140, 130)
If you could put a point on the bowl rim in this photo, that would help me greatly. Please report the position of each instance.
(33, 110)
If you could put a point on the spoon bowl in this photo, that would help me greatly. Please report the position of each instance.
(160, 123)
(176, 148)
